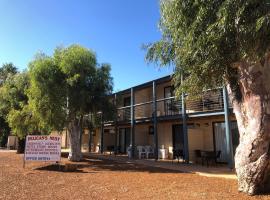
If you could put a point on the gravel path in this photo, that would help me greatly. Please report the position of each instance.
(99, 179)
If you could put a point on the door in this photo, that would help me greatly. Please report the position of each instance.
(124, 139)
(128, 138)
(178, 137)
(220, 139)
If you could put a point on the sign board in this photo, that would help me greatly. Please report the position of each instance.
(42, 148)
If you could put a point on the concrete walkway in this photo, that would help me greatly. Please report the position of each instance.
(7, 151)
(211, 171)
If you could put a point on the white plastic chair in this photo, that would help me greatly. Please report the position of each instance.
(149, 151)
(141, 152)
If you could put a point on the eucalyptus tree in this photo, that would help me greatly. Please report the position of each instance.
(225, 42)
(66, 87)
(14, 107)
(7, 69)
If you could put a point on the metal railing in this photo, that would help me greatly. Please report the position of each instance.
(143, 110)
(209, 101)
(123, 113)
(169, 106)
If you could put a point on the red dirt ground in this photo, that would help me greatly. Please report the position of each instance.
(97, 179)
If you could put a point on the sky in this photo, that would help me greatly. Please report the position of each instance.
(114, 29)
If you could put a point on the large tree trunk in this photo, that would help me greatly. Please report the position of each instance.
(75, 146)
(21, 145)
(251, 105)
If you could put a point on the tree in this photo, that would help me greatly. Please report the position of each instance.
(4, 132)
(6, 71)
(66, 87)
(215, 43)
(15, 109)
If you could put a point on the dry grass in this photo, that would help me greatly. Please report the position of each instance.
(97, 179)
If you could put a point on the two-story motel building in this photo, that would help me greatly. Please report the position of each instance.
(149, 114)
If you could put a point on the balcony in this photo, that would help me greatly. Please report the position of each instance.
(123, 113)
(209, 102)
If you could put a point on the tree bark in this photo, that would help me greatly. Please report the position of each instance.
(74, 128)
(251, 106)
(21, 146)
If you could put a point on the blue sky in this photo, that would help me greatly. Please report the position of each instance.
(114, 29)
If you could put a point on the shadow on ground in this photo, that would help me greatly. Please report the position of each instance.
(93, 165)
(61, 168)
(108, 165)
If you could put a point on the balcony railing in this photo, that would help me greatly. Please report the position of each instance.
(123, 113)
(169, 106)
(143, 110)
(210, 101)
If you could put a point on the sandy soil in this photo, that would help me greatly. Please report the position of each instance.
(97, 179)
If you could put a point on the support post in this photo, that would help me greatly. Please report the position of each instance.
(155, 120)
(90, 127)
(101, 135)
(229, 145)
(90, 137)
(132, 123)
(115, 127)
(66, 139)
(185, 130)
(90, 141)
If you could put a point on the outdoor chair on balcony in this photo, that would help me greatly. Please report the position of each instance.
(178, 154)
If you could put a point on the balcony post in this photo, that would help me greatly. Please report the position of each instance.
(155, 120)
(115, 127)
(185, 130)
(101, 135)
(90, 135)
(132, 123)
(228, 132)
(90, 141)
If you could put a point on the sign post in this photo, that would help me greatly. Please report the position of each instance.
(42, 148)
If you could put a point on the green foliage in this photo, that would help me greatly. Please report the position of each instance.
(68, 85)
(204, 39)
(13, 93)
(7, 70)
(14, 107)
(23, 122)
(4, 132)
(47, 94)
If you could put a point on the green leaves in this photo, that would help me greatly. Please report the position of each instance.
(204, 38)
(47, 92)
(68, 85)
(56, 90)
